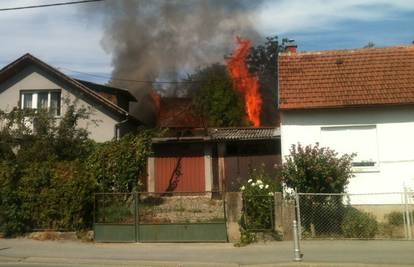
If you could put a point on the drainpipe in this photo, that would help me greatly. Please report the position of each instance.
(117, 128)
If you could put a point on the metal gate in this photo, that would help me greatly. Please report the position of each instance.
(160, 217)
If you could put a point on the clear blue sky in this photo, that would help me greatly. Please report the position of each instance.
(69, 39)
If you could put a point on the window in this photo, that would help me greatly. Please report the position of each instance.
(42, 102)
(27, 101)
(55, 103)
(46, 100)
(361, 140)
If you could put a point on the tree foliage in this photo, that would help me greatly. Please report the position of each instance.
(214, 97)
(117, 165)
(35, 135)
(314, 169)
(50, 169)
(262, 61)
(43, 180)
(220, 105)
(370, 44)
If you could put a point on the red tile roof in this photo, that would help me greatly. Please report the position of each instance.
(347, 78)
(178, 112)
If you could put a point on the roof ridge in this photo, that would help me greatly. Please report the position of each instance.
(109, 86)
(65, 77)
(349, 50)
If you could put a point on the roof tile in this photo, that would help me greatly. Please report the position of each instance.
(244, 133)
(374, 76)
(177, 112)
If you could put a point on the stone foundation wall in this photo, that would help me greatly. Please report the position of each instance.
(284, 215)
(234, 205)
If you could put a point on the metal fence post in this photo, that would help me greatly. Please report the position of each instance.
(299, 226)
(407, 215)
(297, 256)
(94, 210)
(135, 195)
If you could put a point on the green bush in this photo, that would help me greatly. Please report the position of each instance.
(396, 218)
(322, 215)
(49, 174)
(47, 195)
(14, 216)
(118, 164)
(258, 205)
(314, 169)
(359, 224)
(258, 201)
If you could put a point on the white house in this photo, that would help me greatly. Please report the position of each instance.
(354, 101)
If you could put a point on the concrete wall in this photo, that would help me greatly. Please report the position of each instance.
(284, 216)
(395, 144)
(33, 78)
(234, 206)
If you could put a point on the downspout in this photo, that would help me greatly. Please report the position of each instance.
(117, 128)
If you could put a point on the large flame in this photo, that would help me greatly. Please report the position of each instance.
(244, 82)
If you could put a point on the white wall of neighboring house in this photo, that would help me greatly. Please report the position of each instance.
(383, 136)
(33, 78)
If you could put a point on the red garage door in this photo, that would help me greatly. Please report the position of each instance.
(179, 168)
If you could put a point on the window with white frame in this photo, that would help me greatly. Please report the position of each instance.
(46, 100)
(361, 140)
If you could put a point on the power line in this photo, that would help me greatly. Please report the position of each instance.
(125, 80)
(152, 82)
(50, 5)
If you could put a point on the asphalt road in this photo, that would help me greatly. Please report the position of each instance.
(25, 252)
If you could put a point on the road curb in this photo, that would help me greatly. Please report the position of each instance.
(10, 259)
(326, 264)
(107, 262)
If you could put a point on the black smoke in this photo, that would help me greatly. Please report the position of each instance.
(165, 39)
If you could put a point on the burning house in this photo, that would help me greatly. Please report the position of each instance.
(195, 158)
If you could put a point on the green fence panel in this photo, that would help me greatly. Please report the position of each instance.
(173, 217)
(200, 232)
(115, 232)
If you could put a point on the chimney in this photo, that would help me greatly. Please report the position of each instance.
(291, 46)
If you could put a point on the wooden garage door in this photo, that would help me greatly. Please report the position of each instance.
(181, 171)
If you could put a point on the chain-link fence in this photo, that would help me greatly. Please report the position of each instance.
(358, 216)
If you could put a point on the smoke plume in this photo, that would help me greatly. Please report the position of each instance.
(165, 39)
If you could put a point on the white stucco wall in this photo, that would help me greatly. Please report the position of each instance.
(33, 78)
(395, 142)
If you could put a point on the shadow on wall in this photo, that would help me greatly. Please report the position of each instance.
(370, 115)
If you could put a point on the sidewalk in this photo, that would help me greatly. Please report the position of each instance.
(24, 252)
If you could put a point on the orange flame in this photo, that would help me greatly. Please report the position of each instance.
(244, 82)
